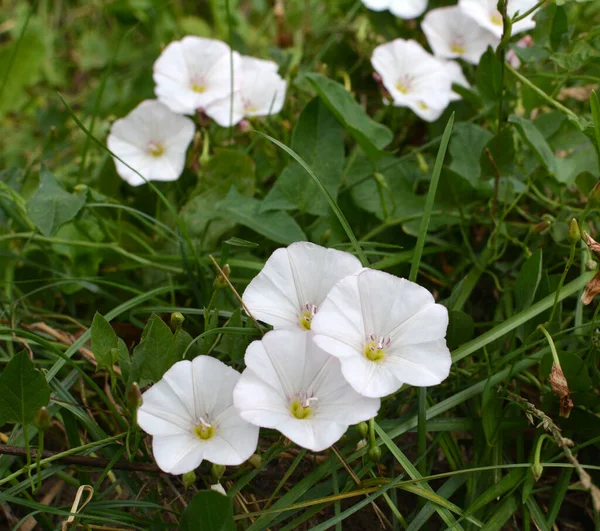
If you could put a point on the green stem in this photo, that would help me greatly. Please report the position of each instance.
(422, 431)
(58, 456)
(562, 280)
(552, 345)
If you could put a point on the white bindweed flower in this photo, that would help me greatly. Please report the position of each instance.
(406, 9)
(261, 93)
(194, 72)
(486, 14)
(451, 34)
(386, 331)
(289, 289)
(191, 416)
(416, 79)
(292, 386)
(153, 140)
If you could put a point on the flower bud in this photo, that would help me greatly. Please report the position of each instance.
(217, 472)
(205, 156)
(42, 419)
(360, 444)
(220, 281)
(362, 429)
(177, 319)
(189, 478)
(255, 460)
(244, 126)
(574, 232)
(537, 470)
(134, 397)
(541, 226)
(78, 188)
(375, 454)
(217, 487)
(559, 385)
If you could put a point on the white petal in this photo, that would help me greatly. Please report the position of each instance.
(177, 454)
(250, 64)
(368, 378)
(292, 277)
(235, 439)
(213, 384)
(338, 328)
(220, 110)
(408, 9)
(451, 33)
(422, 364)
(427, 324)
(217, 487)
(486, 14)
(263, 94)
(168, 406)
(377, 5)
(312, 434)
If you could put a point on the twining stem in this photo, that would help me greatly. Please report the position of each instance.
(562, 280)
(552, 346)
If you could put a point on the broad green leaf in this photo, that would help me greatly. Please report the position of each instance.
(208, 511)
(460, 328)
(124, 359)
(371, 136)
(226, 168)
(23, 390)
(104, 340)
(531, 134)
(560, 27)
(501, 149)
(319, 139)
(466, 146)
(528, 281)
(489, 76)
(595, 106)
(277, 226)
(179, 345)
(154, 355)
(52, 206)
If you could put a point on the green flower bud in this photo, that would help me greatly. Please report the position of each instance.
(574, 232)
(595, 195)
(255, 460)
(217, 472)
(177, 319)
(362, 429)
(42, 419)
(221, 280)
(375, 454)
(189, 478)
(134, 397)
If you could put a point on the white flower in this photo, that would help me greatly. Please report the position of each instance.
(399, 8)
(414, 78)
(191, 417)
(386, 331)
(291, 385)
(217, 487)
(153, 140)
(486, 14)
(194, 72)
(451, 33)
(289, 289)
(261, 93)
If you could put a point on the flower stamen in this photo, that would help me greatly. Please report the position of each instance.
(496, 19)
(375, 348)
(155, 149)
(301, 409)
(308, 311)
(198, 87)
(204, 431)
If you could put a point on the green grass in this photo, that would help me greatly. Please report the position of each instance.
(475, 206)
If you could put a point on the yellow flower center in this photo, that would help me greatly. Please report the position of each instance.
(458, 48)
(307, 312)
(156, 150)
(373, 352)
(400, 87)
(251, 108)
(204, 432)
(198, 87)
(496, 18)
(299, 410)
(423, 105)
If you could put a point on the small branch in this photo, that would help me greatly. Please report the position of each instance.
(80, 460)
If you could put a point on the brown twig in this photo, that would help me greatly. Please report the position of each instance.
(80, 460)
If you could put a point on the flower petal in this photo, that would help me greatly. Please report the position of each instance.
(422, 364)
(235, 439)
(177, 454)
(368, 378)
(408, 9)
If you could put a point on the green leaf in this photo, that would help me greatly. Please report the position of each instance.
(460, 328)
(502, 514)
(154, 355)
(371, 136)
(506, 484)
(104, 340)
(528, 281)
(532, 135)
(319, 139)
(560, 27)
(501, 148)
(226, 168)
(52, 206)
(23, 390)
(489, 76)
(491, 413)
(208, 511)
(466, 146)
(595, 106)
(124, 359)
(277, 226)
